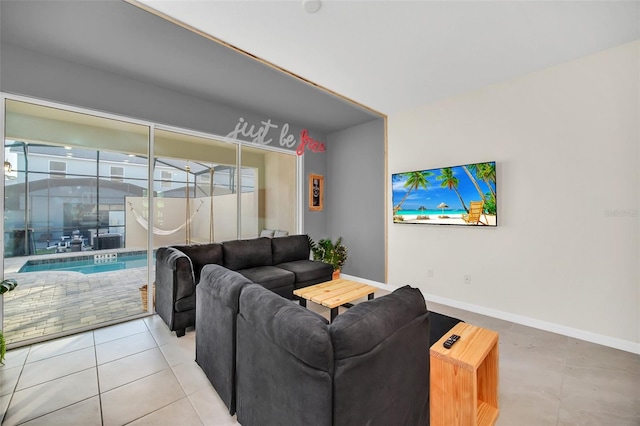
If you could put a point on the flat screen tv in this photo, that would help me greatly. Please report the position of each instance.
(457, 195)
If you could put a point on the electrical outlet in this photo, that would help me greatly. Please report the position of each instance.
(430, 273)
(467, 279)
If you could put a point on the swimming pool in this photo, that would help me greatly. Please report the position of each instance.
(92, 264)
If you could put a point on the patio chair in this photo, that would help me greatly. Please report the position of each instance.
(475, 213)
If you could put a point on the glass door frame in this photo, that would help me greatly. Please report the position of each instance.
(152, 126)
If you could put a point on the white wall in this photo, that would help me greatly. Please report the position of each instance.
(225, 208)
(565, 255)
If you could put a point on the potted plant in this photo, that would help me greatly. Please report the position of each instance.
(334, 254)
(6, 286)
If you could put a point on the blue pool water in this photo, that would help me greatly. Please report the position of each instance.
(86, 265)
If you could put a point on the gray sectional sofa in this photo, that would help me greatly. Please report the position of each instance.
(274, 362)
(278, 264)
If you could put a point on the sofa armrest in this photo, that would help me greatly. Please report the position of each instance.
(175, 289)
(201, 255)
(217, 297)
(174, 270)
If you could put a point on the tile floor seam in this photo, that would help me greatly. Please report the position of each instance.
(152, 335)
(10, 400)
(125, 356)
(57, 355)
(182, 385)
(122, 337)
(95, 354)
(196, 409)
(159, 408)
(54, 411)
(184, 391)
(15, 386)
(51, 380)
(151, 412)
(139, 378)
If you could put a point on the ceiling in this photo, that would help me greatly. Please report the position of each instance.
(124, 39)
(396, 55)
(387, 55)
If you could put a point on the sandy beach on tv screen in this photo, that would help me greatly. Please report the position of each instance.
(446, 220)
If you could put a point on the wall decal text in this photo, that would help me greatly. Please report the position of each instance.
(307, 141)
(259, 134)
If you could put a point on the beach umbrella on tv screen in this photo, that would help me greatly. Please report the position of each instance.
(423, 208)
(443, 206)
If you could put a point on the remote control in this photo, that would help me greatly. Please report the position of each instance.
(450, 341)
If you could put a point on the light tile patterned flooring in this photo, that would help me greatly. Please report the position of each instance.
(139, 373)
(135, 373)
(46, 303)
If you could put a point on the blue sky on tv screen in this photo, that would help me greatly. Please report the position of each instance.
(435, 194)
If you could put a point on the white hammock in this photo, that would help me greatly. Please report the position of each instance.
(157, 231)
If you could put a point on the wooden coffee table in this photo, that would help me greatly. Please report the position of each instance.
(335, 293)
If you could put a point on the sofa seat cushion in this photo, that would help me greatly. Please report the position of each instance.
(246, 254)
(186, 303)
(269, 277)
(308, 270)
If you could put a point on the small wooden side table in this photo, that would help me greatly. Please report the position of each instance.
(334, 293)
(464, 379)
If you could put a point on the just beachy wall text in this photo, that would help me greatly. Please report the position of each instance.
(262, 135)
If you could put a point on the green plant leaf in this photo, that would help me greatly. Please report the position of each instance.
(326, 251)
(8, 285)
(3, 348)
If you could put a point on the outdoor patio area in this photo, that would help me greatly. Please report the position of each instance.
(51, 302)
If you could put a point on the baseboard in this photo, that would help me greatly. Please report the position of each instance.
(600, 339)
(370, 282)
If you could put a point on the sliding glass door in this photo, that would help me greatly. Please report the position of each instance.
(268, 182)
(68, 176)
(195, 189)
(85, 209)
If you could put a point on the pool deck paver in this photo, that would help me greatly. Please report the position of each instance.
(50, 302)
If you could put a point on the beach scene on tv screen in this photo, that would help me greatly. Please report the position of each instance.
(459, 195)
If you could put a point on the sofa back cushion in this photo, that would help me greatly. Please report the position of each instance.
(284, 362)
(290, 249)
(384, 340)
(202, 254)
(300, 332)
(244, 254)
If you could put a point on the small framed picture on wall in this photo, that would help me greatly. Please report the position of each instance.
(316, 192)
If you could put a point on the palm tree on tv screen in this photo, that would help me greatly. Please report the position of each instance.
(473, 179)
(451, 182)
(487, 172)
(415, 180)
